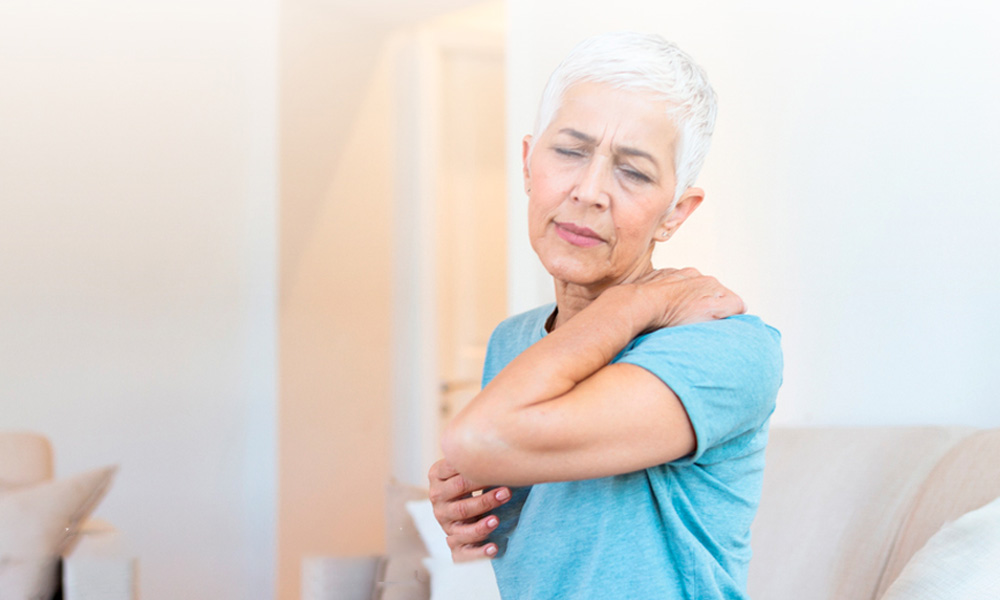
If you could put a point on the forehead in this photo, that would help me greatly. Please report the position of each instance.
(620, 117)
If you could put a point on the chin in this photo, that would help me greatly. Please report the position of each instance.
(569, 266)
(572, 271)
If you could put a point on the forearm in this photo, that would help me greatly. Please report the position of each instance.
(494, 421)
(558, 362)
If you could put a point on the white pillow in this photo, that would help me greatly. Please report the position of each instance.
(38, 524)
(450, 581)
(960, 562)
(429, 529)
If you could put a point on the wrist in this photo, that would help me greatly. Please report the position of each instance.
(631, 306)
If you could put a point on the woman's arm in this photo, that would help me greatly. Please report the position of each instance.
(560, 411)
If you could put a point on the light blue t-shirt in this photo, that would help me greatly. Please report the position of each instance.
(676, 530)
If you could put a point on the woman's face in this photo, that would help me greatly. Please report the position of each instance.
(600, 180)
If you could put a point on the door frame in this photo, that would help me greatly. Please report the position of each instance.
(416, 388)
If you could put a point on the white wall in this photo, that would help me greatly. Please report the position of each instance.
(137, 270)
(853, 191)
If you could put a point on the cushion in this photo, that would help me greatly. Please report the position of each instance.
(401, 535)
(959, 562)
(833, 501)
(25, 459)
(966, 478)
(462, 581)
(431, 534)
(38, 524)
(450, 581)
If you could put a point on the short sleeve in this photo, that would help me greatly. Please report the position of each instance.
(513, 336)
(726, 373)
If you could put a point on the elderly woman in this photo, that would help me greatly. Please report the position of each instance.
(620, 433)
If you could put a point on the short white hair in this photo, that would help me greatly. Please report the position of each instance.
(637, 61)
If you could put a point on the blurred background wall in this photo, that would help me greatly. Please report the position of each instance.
(336, 289)
(361, 169)
(138, 204)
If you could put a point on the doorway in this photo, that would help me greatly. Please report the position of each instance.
(451, 232)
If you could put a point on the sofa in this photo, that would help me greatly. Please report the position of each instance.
(49, 548)
(890, 513)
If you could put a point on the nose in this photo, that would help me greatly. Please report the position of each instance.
(593, 187)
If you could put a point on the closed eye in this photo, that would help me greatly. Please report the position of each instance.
(568, 151)
(636, 175)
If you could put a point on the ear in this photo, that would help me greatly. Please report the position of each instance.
(688, 202)
(525, 154)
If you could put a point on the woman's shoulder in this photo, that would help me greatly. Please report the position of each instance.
(738, 341)
(731, 363)
(735, 329)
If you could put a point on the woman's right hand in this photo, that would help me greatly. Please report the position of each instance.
(461, 514)
(671, 297)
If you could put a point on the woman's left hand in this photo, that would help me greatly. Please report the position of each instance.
(671, 297)
(465, 518)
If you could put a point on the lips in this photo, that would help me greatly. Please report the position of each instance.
(577, 235)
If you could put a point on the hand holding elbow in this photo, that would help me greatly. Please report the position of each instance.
(461, 448)
(473, 444)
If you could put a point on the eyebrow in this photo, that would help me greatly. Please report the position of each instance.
(626, 150)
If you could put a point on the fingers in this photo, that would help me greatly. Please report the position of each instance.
(441, 470)
(466, 533)
(728, 303)
(451, 515)
(467, 542)
(684, 296)
(469, 536)
(473, 552)
(720, 301)
(738, 304)
(447, 484)
(669, 275)
(463, 516)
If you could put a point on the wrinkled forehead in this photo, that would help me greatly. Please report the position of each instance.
(602, 112)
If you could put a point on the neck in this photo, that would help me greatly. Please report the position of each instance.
(571, 298)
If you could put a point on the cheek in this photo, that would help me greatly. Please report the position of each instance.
(550, 182)
(545, 193)
(542, 205)
(635, 230)
(537, 216)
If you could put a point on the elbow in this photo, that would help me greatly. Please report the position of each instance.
(471, 448)
(452, 447)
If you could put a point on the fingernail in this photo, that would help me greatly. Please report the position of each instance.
(503, 494)
(491, 550)
(492, 522)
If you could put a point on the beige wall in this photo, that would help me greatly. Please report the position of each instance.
(335, 313)
(344, 93)
(137, 271)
